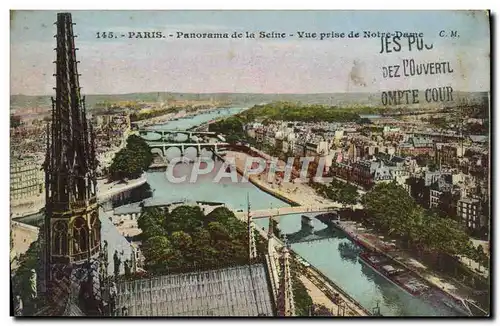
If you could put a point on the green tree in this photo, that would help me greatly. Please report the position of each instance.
(218, 232)
(181, 240)
(481, 257)
(226, 217)
(157, 251)
(303, 301)
(130, 162)
(15, 121)
(414, 230)
(184, 218)
(348, 195)
(150, 222)
(390, 205)
(201, 241)
(232, 127)
(299, 112)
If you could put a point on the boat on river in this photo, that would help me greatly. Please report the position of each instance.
(394, 273)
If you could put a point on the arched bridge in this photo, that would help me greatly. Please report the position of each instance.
(161, 148)
(160, 135)
(277, 212)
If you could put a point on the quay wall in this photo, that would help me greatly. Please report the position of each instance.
(259, 185)
(336, 287)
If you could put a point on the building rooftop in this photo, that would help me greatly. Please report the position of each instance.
(234, 291)
(478, 138)
(422, 142)
(470, 200)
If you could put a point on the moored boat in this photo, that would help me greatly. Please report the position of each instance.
(394, 273)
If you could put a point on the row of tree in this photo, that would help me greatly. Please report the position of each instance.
(233, 127)
(392, 210)
(287, 111)
(130, 162)
(137, 116)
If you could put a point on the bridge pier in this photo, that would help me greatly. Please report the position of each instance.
(163, 147)
(306, 223)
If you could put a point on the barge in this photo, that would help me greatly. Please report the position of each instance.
(394, 273)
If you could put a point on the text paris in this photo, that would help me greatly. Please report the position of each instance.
(410, 68)
(395, 44)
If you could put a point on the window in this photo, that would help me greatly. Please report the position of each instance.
(60, 238)
(80, 236)
(95, 230)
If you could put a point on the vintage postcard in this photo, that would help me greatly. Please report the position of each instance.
(250, 163)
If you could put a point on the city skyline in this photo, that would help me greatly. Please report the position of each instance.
(270, 66)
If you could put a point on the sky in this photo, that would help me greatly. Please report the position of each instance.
(290, 65)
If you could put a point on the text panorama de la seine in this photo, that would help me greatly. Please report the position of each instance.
(409, 68)
(299, 34)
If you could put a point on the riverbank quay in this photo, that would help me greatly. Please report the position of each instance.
(452, 290)
(343, 304)
(182, 114)
(295, 194)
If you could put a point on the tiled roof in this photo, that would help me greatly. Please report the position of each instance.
(234, 291)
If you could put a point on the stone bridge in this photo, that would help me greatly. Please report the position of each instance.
(161, 148)
(279, 212)
(160, 135)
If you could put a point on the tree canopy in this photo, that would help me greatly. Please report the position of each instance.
(186, 239)
(298, 112)
(130, 162)
(338, 191)
(232, 127)
(393, 210)
(15, 121)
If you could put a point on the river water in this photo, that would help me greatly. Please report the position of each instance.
(327, 255)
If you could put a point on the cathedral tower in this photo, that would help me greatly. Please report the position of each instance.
(72, 226)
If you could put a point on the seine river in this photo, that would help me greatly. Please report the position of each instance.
(361, 282)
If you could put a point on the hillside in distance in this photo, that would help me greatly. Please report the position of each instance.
(246, 99)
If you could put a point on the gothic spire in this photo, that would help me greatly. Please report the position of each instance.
(72, 227)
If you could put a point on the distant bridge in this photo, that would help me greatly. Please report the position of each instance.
(282, 211)
(161, 135)
(161, 148)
